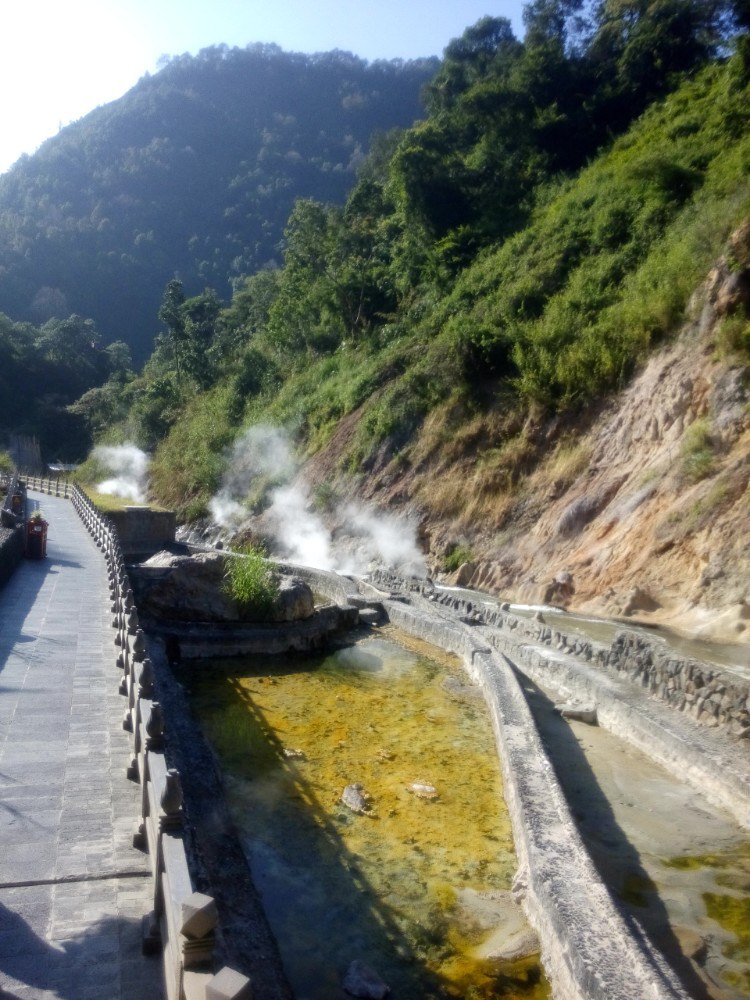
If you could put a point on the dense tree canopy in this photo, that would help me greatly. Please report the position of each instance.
(45, 369)
(192, 174)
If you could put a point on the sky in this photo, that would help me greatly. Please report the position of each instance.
(60, 59)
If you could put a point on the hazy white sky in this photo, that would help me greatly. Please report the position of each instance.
(60, 59)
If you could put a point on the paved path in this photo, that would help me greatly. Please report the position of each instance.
(72, 888)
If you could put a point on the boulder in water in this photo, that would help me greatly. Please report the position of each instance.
(362, 981)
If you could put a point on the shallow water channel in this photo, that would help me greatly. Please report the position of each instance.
(678, 866)
(731, 655)
(419, 890)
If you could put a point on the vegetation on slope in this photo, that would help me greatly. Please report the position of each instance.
(194, 171)
(505, 256)
(44, 369)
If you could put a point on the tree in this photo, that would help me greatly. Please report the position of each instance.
(645, 43)
(170, 314)
(559, 20)
(120, 359)
(487, 46)
(199, 316)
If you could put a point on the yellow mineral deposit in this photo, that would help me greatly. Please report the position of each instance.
(418, 884)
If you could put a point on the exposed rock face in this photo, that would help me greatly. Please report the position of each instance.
(191, 589)
(639, 600)
(560, 590)
(642, 536)
(295, 600)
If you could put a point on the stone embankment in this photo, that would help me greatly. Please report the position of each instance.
(712, 696)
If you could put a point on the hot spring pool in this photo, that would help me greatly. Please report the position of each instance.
(420, 889)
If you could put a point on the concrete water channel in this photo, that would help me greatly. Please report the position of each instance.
(417, 886)
(676, 863)
(670, 870)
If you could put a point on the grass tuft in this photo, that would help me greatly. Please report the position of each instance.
(697, 452)
(252, 582)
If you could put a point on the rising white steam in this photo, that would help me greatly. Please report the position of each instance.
(129, 468)
(262, 453)
(264, 456)
(383, 538)
(300, 534)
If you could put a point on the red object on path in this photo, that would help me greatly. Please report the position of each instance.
(36, 538)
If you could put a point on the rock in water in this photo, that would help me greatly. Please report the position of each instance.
(356, 798)
(578, 713)
(362, 981)
(422, 790)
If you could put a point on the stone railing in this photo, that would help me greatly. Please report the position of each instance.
(711, 695)
(54, 487)
(183, 922)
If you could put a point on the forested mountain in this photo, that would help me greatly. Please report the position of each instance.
(509, 247)
(192, 173)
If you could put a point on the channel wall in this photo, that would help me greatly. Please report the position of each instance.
(590, 949)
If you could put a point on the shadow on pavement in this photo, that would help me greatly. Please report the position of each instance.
(105, 961)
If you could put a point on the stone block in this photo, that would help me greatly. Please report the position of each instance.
(228, 984)
(199, 916)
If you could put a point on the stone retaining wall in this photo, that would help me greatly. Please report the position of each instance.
(11, 538)
(143, 531)
(11, 552)
(712, 696)
(197, 640)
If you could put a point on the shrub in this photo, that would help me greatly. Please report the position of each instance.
(7, 465)
(252, 582)
(457, 556)
(733, 335)
(697, 451)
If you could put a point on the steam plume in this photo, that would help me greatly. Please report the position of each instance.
(263, 459)
(129, 468)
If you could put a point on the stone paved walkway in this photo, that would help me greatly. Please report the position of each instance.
(72, 888)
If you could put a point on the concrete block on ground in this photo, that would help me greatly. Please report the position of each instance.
(199, 915)
(228, 984)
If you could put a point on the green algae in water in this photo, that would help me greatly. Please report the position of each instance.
(413, 890)
(731, 911)
(733, 914)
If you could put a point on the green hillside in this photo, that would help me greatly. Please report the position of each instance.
(192, 173)
(481, 263)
